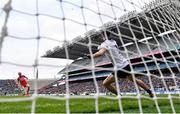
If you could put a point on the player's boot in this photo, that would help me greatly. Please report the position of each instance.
(151, 95)
(27, 94)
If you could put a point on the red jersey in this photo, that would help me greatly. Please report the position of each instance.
(22, 77)
(22, 80)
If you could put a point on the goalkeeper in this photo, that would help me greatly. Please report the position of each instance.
(110, 48)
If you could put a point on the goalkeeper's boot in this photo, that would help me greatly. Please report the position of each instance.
(151, 95)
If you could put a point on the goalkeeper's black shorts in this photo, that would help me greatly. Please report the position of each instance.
(124, 72)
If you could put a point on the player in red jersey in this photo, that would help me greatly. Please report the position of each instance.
(22, 82)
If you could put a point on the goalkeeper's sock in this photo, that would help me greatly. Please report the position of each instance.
(150, 93)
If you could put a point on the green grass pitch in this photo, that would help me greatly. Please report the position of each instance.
(79, 105)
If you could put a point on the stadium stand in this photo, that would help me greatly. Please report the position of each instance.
(9, 87)
(158, 41)
(80, 75)
(88, 87)
(77, 48)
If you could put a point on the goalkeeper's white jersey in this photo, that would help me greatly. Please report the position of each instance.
(114, 54)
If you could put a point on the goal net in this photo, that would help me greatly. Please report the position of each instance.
(48, 39)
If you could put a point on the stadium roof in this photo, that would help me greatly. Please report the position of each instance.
(129, 26)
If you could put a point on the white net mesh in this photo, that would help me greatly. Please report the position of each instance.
(147, 34)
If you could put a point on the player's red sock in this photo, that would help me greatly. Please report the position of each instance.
(28, 90)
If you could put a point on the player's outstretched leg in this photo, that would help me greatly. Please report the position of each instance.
(142, 85)
(107, 84)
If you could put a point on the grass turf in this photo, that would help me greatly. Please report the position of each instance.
(78, 105)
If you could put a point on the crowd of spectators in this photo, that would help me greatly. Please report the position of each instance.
(8, 87)
(88, 86)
